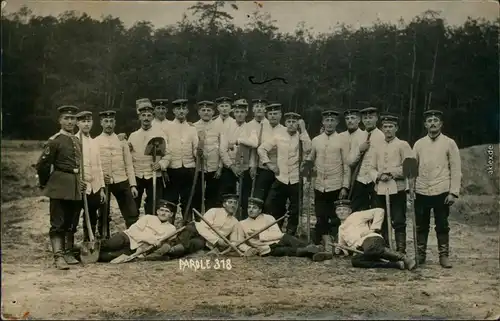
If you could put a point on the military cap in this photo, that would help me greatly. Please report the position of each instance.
(256, 201)
(169, 205)
(67, 109)
(330, 113)
(351, 112)
(84, 114)
(206, 103)
(141, 103)
(180, 102)
(389, 118)
(273, 107)
(292, 115)
(344, 202)
(160, 102)
(240, 104)
(369, 110)
(259, 101)
(222, 100)
(107, 114)
(144, 108)
(433, 112)
(226, 197)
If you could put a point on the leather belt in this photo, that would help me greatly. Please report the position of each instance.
(69, 171)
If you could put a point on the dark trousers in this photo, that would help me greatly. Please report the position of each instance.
(126, 203)
(62, 216)
(398, 213)
(362, 197)
(94, 203)
(374, 249)
(287, 246)
(326, 220)
(423, 206)
(146, 185)
(228, 183)
(276, 202)
(263, 182)
(190, 239)
(115, 246)
(179, 187)
(211, 191)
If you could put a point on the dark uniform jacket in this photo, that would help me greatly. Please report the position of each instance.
(59, 167)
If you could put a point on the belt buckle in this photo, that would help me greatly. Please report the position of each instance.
(76, 170)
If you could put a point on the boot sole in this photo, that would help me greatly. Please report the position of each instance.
(322, 256)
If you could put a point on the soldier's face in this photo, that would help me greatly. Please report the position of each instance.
(389, 129)
(240, 115)
(291, 125)
(160, 112)
(352, 121)
(180, 112)
(370, 120)
(206, 113)
(274, 117)
(146, 118)
(343, 212)
(259, 110)
(433, 124)
(108, 125)
(164, 214)
(224, 109)
(67, 122)
(330, 123)
(254, 210)
(230, 205)
(85, 125)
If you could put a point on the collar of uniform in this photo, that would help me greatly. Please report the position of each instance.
(435, 138)
(107, 135)
(239, 125)
(331, 135)
(160, 121)
(393, 140)
(178, 122)
(146, 130)
(82, 135)
(63, 132)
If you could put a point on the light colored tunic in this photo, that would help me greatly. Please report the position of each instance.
(220, 220)
(93, 175)
(142, 163)
(212, 136)
(266, 238)
(148, 229)
(352, 229)
(376, 138)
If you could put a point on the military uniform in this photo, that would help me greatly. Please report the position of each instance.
(210, 134)
(358, 135)
(329, 159)
(286, 186)
(224, 124)
(164, 123)
(117, 164)
(363, 187)
(388, 159)
(138, 142)
(58, 171)
(439, 175)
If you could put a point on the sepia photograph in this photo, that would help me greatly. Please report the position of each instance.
(238, 160)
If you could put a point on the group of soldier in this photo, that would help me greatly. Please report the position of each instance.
(204, 164)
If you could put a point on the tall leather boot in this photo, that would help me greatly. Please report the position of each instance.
(400, 238)
(327, 253)
(422, 246)
(69, 255)
(444, 250)
(57, 242)
(177, 250)
(395, 256)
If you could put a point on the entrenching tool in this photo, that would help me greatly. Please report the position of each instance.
(89, 251)
(144, 250)
(357, 168)
(155, 147)
(388, 188)
(242, 156)
(218, 234)
(198, 167)
(105, 215)
(301, 181)
(352, 250)
(410, 171)
(257, 158)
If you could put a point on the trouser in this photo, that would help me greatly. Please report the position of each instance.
(146, 185)
(327, 220)
(179, 187)
(190, 239)
(263, 182)
(276, 203)
(126, 203)
(374, 249)
(287, 246)
(362, 197)
(94, 203)
(228, 183)
(211, 191)
(116, 245)
(398, 218)
(62, 216)
(423, 206)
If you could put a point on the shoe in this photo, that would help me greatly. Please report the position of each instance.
(444, 250)
(69, 254)
(57, 242)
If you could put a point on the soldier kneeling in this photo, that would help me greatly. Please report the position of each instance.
(361, 230)
(272, 242)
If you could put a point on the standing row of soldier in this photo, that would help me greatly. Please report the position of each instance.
(261, 157)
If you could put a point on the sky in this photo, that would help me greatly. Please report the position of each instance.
(322, 16)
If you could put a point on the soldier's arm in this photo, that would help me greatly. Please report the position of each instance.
(223, 151)
(265, 148)
(455, 168)
(45, 161)
(346, 169)
(373, 166)
(165, 159)
(129, 164)
(311, 157)
(376, 216)
(249, 137)
(238, 235)
(99, 172)
(204, 230)
(354, 152)
(273, 233)
(195, 140)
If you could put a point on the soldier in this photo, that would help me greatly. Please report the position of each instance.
(118, 168)
(286, 185)
(387, 166)
(352, 119)
(363, 185)
(437, 185)
(210, 134)
(58, 171)
(93, 175)
(160, 120)
(183, 144)
(224, 121)
(143, 164)
(235, 154)
(328, 158)
(265, 177)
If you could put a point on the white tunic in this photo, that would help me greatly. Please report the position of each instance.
(148, 229)
(218, 219)
(249, 226)
(183, 142)
(142, 163)
(352, 229)
(93, 175)
(376, 138)
(211, 151)
(237, 135)
(162, 124)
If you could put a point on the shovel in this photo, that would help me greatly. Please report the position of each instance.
(105, 215)
(388, 188)
(155, 147)
(89, 251)
(410, 171)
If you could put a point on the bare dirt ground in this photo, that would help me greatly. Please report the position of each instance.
(255, 288)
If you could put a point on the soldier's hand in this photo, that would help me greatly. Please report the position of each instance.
(364, 147)
(343, 193)
(450, 200)
(339, 251)
(83, 186)
(199, 152)
(102, 196)
(385, 178)
(130, 147)
(218, 172)
(156, 166)
(122, 136)
(230, 145)
(273, 168)
(302, 125)
(134, 192)
(107, 179)
(251, 252)
(235, 170)
(253, 172)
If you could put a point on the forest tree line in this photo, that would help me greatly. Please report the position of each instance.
(100, 64)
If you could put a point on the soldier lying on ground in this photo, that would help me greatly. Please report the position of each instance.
(199, 235)
(148, 230)
(361, 230)
(272, 242)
